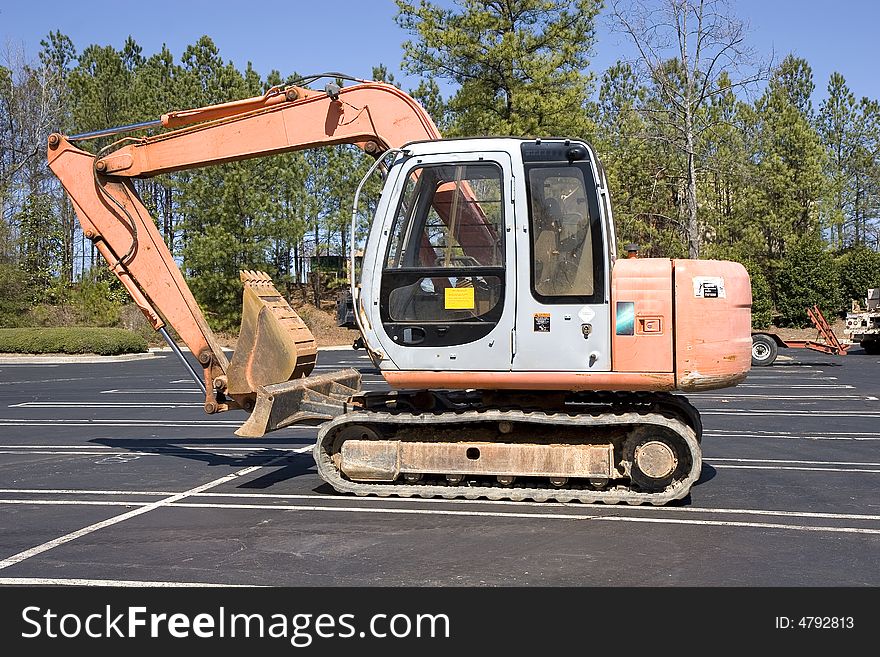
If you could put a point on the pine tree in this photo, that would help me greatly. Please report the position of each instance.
(835, 124)
(637, 168)
(788, 180)
(519, 65)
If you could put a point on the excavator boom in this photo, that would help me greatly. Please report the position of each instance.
(274, 346)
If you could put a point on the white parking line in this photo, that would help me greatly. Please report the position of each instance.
(54, 581)
(73, 491)
(197, 448)
(45, 452)
(785, 412)
(855, 436)
(170, 450)
(174, 502)
(372, 500)
(151, 391)
(73, 503)
(104, 447)
(39, 549)
(806, 397)
(55, 422)
(71, 404)
(715, 459)
(312, 497)
(158, 452)
(19, 382)
(787, 373)
(543, 516)
(787, 467)
(789, 386)
(811, 376)
(754, 525)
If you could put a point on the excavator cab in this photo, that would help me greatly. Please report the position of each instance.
(489, 255)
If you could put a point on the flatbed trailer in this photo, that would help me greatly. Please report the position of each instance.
(765, 344)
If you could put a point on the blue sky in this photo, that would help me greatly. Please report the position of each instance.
(352, 35)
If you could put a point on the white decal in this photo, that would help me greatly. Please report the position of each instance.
(586, 314)
(709, 287)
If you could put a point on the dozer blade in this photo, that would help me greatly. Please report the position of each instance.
(274, 345)
(312, 399)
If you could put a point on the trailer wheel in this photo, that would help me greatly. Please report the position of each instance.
(764, 350)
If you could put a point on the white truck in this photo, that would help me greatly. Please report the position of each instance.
(863, 326)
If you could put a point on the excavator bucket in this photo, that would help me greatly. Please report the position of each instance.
(274, 356)
(274, 344)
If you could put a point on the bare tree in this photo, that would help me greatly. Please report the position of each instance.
(30, 104)
(689, 51)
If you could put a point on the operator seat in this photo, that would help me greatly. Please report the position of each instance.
(548, 222)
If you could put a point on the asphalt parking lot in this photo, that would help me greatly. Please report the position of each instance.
(110, 473)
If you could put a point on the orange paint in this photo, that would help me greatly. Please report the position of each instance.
(706, 341)
(713, 334)
(647, 284)
(531, 380)
(372, 116)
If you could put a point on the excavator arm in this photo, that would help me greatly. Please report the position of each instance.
(274, 346)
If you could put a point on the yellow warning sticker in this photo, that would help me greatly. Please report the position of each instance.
(459, 298)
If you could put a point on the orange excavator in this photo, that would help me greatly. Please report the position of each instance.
(525, 360)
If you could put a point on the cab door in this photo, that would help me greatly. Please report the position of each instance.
(445, 286)
(562, 317)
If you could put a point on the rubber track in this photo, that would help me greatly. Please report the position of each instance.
(619, 494)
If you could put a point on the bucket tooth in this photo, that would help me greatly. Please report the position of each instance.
(274, 344)
(301, 400)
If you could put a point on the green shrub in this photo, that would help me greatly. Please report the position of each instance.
(859, 270)
(92, 301)
(15, 296)
(70, 340)
(94, 305)
(762, 301)
(807, 276)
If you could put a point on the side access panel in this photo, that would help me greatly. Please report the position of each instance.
(713, 333)
(641, 303)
